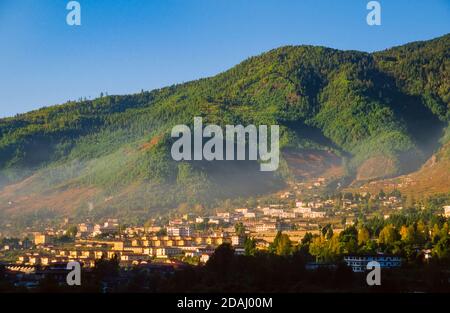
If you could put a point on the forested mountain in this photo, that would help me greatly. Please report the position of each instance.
(379, 115)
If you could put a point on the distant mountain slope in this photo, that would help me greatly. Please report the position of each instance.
(431, 179)
(382, 114)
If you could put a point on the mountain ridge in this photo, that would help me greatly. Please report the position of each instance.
(381, 113)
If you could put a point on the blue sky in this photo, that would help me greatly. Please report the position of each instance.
(124, 46)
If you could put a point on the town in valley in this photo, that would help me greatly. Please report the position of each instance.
(284, 224)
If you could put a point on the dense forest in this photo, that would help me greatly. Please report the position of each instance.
(391, 107)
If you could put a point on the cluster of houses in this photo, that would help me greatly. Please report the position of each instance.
(179, 239)
(272, 218)
(179, 243)
(182, 239)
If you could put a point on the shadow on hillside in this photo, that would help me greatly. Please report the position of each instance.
(314, 135)
(240, 178)
(422, 124)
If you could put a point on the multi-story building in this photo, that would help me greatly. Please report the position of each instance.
(283, 226)
(85, 228)
(241, 211)
(180, 231)
(224, 215)
(313, 214)
(263, 227)
(132, 257)
(302, 210)
(41, 239)
(250, 215)
(237, 240)
(168, 252)
(358, 263)
(288, 215)
(110, 226)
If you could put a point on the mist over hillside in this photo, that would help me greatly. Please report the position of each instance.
(374, 116)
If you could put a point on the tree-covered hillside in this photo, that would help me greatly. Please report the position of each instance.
(382, 113)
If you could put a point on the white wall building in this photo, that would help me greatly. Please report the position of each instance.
(447, 211)
(314, 215)
(180, 231)
(358, 263)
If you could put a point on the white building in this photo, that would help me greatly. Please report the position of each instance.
(225, 215)
(239, 251)
(85, 228)
(288, 215)
(250, 215)
(180, 231)
(314, 215)
(237, 240)
(241, 211)
(111, 225)
(447, 211)
(168, 252)
(358, 263)
(213, 220)
(263, 227)
(302, 209)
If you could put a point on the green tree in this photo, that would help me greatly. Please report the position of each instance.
(325, 250)
(106, 269)
(349, 239)
(408, 234)
(442, 248)
(363, 236)
(72, 231)
(239, 228)
(281, 245)
(327, 231)
(388, 235)
(221, 260)
(319, 249)
(250, 246)
(307, 239)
